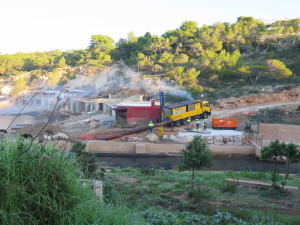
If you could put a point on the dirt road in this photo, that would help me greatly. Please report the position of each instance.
(248, 109)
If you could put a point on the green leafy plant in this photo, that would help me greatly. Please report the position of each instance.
(230, 187)
(148, 171)
(87, 160)
(200, 193)
(277, 150)
(45, 187)
(196, 155)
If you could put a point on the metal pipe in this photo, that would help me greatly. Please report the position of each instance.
(120, 134)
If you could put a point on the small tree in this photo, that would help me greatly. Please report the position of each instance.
(292, 154)
(274, 151)
(277, 150)
(196, 155)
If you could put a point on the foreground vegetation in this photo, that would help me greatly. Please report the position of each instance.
(42, 185)
(166, 197)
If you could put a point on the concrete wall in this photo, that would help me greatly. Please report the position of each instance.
(46, 98)
(286, 133)
(151, 148)
(232, 150)
(63, 145)
(110, 147)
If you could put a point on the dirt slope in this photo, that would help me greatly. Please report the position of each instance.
(291, 94)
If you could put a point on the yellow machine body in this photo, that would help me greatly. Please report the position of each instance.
(179, 112)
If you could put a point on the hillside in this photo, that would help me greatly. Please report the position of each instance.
(210, 58)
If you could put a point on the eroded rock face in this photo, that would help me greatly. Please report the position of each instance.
(152, 137)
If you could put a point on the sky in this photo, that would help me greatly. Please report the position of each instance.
(45, 25)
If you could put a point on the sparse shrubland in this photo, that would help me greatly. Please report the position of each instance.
(278, 115)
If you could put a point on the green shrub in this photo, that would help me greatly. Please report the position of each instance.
(268, 192)
(185, 218)
(127, 170)
(109, 191)
(247, 174)
(87, 160)
(165, 187)
(147, 171)
(199, 194)
(230, 187)
(42, 185)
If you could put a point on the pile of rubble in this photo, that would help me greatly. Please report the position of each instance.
(218, 138)
(42, 131)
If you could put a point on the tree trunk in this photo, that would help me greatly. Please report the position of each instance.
(275, 185)
(294, 41)
(287, 171)
(193, 177)
(252, 81)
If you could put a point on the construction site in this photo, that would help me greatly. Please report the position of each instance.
(112, 116)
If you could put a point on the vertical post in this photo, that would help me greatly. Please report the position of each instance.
(162, 103)
(258, 121)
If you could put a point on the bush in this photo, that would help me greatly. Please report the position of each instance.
(87, 160)
(147, 171)
(274, 115)
(273, 193)
(42, 185)
(230, 187)
(199, 194)
(109, 191)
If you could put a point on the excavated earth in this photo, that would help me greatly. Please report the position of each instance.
(269, 95)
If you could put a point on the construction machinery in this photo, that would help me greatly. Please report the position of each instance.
(174, 114)
(178, 113)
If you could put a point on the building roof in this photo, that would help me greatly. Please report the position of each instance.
(83, 99)
(136, 103)
(76, 90)
(180, 104)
